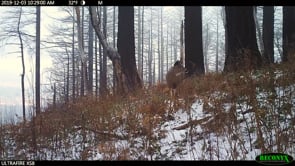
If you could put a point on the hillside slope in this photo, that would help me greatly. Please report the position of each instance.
(234, 116)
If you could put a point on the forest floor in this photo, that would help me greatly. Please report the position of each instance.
(232, 116)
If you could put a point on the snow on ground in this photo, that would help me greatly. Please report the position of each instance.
(205, 146)
(231, 137)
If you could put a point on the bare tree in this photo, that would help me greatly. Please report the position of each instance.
(103, 58)
(124, 84)
(114, 45)
(23, 65)
(38, 20)
(150, 52)
(13, 33)
(217, 44)
(206, 48)
(73, 59)
(82, 54)
(182, 43)
(90, 57)
(139, 43)
(142, 41)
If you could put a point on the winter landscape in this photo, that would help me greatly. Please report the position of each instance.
(167, 83)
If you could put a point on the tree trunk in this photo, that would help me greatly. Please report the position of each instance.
(142, 41)
(38, 19)
(206, 48)
(150, 56)
(167, 50)
(82, 54)
(268, 33)
(175, 46)
(217, 45)
(194, 59)
(223, 15)
(123, 85)
(23, 65)
(182, 43)
(114, 46)
(68, 77)
(159, 47)
(242, 50)
(103, 60)
(288, 32)
(126, 46)
(90, 57)
(96, 68)
(162, 47)
(73, 60)
(54, 95)
(258, 30)
(139, 43)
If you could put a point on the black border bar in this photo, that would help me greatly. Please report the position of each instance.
(149, 163)
(146, 2)
(141, 163)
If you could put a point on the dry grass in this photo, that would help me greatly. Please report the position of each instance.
(265, 96)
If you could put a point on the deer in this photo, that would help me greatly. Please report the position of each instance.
(175, 75)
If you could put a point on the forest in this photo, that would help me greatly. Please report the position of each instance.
(150, 82)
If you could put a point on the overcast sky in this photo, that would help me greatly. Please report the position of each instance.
(11, 67)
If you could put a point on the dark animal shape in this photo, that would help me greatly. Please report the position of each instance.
(175, 75)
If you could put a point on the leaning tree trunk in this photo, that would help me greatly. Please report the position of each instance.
(123, 85)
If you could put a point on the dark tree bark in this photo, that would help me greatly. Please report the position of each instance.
(182, 43)
(268, 33)
(68, 77)
(114, 45)
(83, 56)
(159, 46)
(206, 48)
(54, 95)
(90, 57)
(73, 60)
(194, 59)
(126, 46)
(96, 67)
(23, 64)
(242, 50)
(38, 16)
(142, 41)
(288, 32)
(103, 59)
(123, 82)
(139, 47)
(217, 46)
(150, 52)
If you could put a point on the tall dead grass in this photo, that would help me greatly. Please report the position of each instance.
(257, 106)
